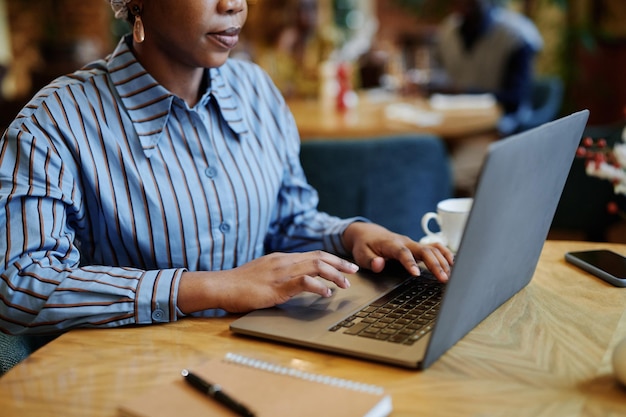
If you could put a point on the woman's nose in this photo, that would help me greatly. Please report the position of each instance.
(231, 6)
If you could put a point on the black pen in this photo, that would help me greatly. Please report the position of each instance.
(215, 391)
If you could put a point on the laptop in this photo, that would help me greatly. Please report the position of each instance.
(517, 194)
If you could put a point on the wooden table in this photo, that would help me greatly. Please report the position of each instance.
(546, 352)
(370, 118)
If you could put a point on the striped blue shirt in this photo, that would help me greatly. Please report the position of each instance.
(111, 187)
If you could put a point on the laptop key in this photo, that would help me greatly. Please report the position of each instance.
(402, 316)
(398, 338)
(357, 328)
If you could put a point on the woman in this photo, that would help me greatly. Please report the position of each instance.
(167, 182)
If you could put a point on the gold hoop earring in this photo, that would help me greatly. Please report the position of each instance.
(138, 32)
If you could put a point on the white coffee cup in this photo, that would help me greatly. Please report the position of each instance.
(451, 216)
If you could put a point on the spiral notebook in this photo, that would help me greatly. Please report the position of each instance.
(267, 389)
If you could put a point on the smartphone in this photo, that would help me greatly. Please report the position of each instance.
(604, 264)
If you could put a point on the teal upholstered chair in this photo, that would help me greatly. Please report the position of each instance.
(392, 181)
(14, 349)
(546, 100)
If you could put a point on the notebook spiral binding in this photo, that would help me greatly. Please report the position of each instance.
(296, 373)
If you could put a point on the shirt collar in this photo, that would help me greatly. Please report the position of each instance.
(227, 102)
(149, 104)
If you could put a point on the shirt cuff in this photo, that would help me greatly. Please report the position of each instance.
(156, 296)
(333, 240)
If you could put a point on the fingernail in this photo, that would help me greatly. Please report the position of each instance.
(346, 282)
(354, 267)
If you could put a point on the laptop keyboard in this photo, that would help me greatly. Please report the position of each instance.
(402, 316)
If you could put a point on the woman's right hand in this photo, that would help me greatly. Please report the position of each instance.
(264, 282)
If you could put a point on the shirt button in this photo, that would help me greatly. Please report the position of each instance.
(210, 172)
(224, 227)
(158, 315)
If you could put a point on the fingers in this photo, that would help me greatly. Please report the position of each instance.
(306, 283)
(324, 265)
(436, 257)
(374, 255)
(445, 252)
(438, 260)
(407, 259)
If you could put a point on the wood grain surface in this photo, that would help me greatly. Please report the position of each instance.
(546, 352)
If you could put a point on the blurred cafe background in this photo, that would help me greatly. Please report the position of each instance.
(362, 70)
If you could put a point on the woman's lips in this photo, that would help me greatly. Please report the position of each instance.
(227, 38)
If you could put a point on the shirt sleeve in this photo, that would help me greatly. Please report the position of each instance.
(298, 225)
(43, 286)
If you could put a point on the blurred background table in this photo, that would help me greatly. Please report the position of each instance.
(383, 115)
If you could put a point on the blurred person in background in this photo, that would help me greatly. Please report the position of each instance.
(291, 46)
(482, 47)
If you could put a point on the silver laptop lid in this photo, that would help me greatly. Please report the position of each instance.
(518, 192)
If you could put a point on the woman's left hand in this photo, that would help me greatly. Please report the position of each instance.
(372, 245)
